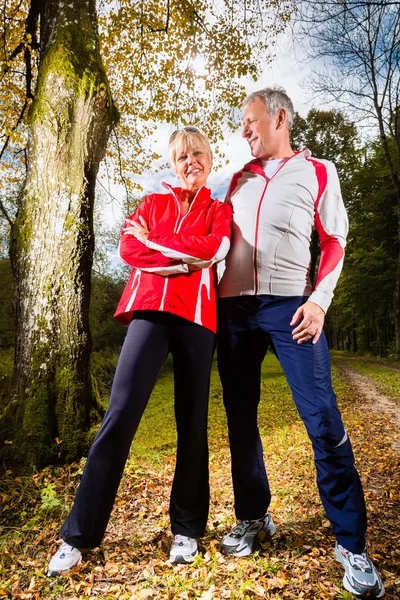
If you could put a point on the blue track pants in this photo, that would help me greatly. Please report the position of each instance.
(151, 335)
(247, 326)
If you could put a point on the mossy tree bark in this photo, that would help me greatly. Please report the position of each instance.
(52, 239)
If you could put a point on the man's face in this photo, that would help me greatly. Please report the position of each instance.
(260, 130)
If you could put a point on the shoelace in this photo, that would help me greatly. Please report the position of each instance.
(181, 539)
(65, 549)
(360, 561)
(241, 527)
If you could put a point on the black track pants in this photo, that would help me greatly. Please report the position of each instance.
(151, 335)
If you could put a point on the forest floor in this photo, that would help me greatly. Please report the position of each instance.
(132, 562)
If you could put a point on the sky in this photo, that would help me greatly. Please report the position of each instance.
(287, 70)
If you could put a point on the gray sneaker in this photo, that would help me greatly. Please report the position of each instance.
(183, 549)
(361, 577)
(242, 539)
(66, 558)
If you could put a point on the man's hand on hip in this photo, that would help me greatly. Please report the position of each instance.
(311, 324)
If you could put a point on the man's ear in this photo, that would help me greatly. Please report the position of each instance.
(281, 118)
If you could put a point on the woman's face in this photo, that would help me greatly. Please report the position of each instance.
(193, 165)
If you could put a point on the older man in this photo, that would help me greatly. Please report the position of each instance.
(266, 300)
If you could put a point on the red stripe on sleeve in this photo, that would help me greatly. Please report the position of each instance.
(331, 249)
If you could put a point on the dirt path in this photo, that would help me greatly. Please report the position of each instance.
(377, 400)
(373, 362)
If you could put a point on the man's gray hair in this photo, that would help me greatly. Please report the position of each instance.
(274, 99)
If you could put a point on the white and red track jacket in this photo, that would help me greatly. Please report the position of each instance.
(161, 278)
(272, 224)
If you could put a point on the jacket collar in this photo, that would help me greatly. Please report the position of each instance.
(202, 195)
(255, 165)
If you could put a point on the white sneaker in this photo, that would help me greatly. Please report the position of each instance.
(242, 539)
(361, 577)
(183, 549)
(66, 558)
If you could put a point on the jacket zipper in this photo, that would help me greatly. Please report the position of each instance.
(256, 240)
(258, 221)
(190, 208)
(179, 223)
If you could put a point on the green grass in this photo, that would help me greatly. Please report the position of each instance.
(156, 435)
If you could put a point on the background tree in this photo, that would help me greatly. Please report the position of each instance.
(57, 113)
(358, 44)
(363, 315)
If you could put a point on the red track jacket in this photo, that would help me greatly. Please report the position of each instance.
(160, 278)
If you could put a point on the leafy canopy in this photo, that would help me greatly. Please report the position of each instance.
(151, 51)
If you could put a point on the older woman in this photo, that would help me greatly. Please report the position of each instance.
(173, 242)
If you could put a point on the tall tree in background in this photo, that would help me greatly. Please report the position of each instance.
(359, 41)
(363, 316)
(55, 94)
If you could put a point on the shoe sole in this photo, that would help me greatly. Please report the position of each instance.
(232, 552)
(52, 573)
(181, 559)
(371, 593)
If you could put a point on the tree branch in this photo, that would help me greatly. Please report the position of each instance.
(123, 179)
(30, 30)
(13, 54)
(5, 213)
(107, 191)
(28, 75)
(162, 29)
(21, 116)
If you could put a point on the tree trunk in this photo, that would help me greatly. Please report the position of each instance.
(378, 337)
(52, 239)
(348, 340)
(369, 340)
(335, 337)
(355, 347)
(396, 307)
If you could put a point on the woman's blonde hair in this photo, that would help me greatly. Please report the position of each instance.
(187, 138)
